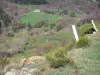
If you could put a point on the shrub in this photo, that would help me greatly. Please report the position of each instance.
(10, 34)
(69, 46)
(4, 62)
(65, 12)
(18, 26)
(59, 27)
(41, 23)
(25, 47)
(73, 14)
(29, 26)
(83, 42)
(88, 29)
(58, 58)
(49, 11)
(52, 25)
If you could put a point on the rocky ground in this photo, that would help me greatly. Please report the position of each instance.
(28, 67)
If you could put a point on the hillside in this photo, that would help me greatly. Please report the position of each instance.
(36, 37)
(14, 11)
(86, 61)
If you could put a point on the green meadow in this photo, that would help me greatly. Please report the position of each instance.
(35, 17)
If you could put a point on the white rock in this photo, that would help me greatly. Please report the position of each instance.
(10, 73)
(37, 10)
(32, 70)
(94, 32)
(12, 70)
(28, 74)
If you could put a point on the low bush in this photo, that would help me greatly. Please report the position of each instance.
(88, 29)
(70, 45)
(18, 26)
(10, 34)
(4, 62)
(52, 25)
(65, 12)
(58, 58)
(41, 23)
(49, 12)
(83, 42)
(73, 14)
(25, 47)
(59, 27)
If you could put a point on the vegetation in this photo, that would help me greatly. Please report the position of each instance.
(4, 60)
(58, 58)
(4, 20)
(83, 42)
(73, 14)
(46, 37)
(35, 2)
(18, 26)
(88, 29)
(34, 17)
(59, 27)
(41, 24)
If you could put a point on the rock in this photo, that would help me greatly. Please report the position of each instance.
(24, 71)
(10, 73)
(94, 33)
(13, 72)
(28, 74)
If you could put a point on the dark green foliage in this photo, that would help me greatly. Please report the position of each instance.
(41, 23)
(58, 58)
(65, 12)
(5, 18)
(25, 47)
(36, 2)
(29, 26)
(16, 27)
(49, 12)
(70, 45)
(45, 23)
(73, 14)
(10, 34)
(3, 63)
(4, 60)
(88, 29)
(59, 27)
(52, 25)
(83, 42)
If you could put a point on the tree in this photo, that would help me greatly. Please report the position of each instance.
(36, 2)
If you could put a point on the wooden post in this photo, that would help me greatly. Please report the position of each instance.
(75, 33)
(94, 26)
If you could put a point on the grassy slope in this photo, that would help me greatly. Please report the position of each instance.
(86, 59)
(45, 41)
(33, 17)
